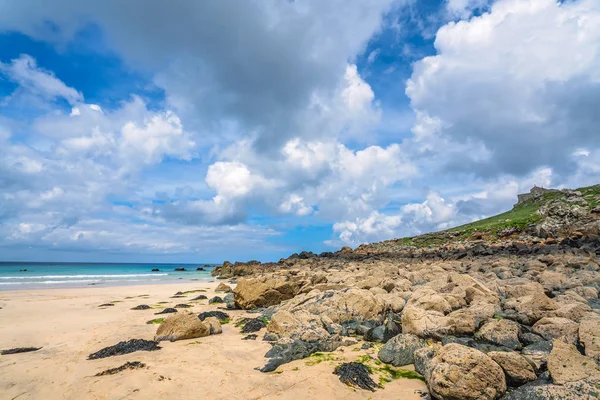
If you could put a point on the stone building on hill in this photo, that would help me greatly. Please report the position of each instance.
(534, 193)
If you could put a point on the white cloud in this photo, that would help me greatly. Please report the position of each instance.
(37, 81)
(506, 83)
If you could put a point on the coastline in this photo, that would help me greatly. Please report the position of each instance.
(69, 325)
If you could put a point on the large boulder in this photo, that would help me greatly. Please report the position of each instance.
(517, 369)
(340, 306)
(399, 351)
(181, 326)
(589, 335)
(566, 364)
(263, 292)
(557, 328)
(458, 372)
(531, 308)
(501, 332)
(424, 323)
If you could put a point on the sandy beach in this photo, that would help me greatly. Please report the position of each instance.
(69, 325)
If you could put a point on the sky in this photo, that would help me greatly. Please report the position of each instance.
(203, 131)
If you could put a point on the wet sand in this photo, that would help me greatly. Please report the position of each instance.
(69, 325)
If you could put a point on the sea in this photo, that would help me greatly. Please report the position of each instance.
(35, 275)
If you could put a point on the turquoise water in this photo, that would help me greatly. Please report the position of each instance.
(49, 275)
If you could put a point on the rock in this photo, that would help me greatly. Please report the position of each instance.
(501, 332)
(556, 327)
(220, 315)
(229, 301)
(200, 297)
(200, 269)
(399, 351)
(179, 269)
(532, 308)
(252, 336)
(166, 311)
(125, 347)
(106, 305)
(392, 301)
(517, 369)
(459, 372)
(215, 300)
(285, 352)
(543, 390)
(461, 322)
(423, 357)
(574, 311)
(214, 325)
(263, 292)
(155, 270)
(182, 306)
(566, 364)
(223, 288)
(538, 353)
(252, 325)
(180, 327)
(375, 334)
(424, 323)
(141, 307)
(589, 335)
(340, 306)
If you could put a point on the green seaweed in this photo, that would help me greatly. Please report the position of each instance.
(155, 321)
(397, 373)
(194, 291)
(318, 358)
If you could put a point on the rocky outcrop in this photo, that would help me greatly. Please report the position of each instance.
(589, 335)
(460, 372)
(181, 326)
(557, 328)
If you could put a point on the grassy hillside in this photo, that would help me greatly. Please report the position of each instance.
(513, 221)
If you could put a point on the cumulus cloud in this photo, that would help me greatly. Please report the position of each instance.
(516, 86)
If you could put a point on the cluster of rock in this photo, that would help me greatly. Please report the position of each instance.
(493, 323)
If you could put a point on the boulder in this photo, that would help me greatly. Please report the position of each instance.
(557, 328)
(461, 322)
(263, 292)
(181, 326)
(531, 308)
(214, 325)
(423, 357)
(424, 323)
(566, 364)
(589, 335)
(501, 332)
(518, 369)
(340, 306)
(399, 351)
(229, 301)
(538, 353)
(223, 288)
(458, 372)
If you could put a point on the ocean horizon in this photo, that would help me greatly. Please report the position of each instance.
(47, 275)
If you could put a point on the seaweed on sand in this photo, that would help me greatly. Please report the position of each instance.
(127, 365)
(356, 375)
(19, 350)
(125, 347)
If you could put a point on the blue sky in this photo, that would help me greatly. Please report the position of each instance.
(200, 131)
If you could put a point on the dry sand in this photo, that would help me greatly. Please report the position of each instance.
(69, 325)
